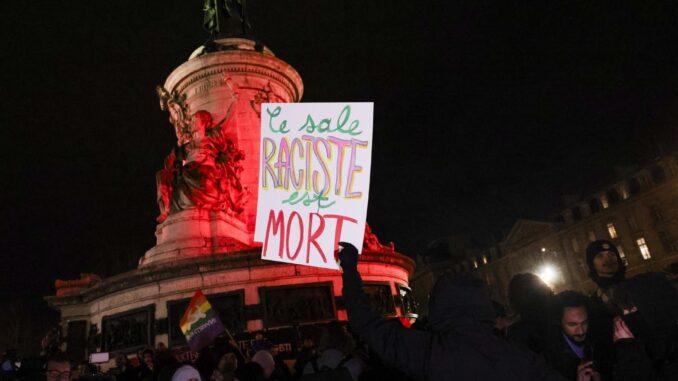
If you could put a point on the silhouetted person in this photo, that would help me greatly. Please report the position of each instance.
(147, 371)
(531, 299)
(226, 367)
(606, 269)
(335, 351)
(123, 371)
(646, 335)
(460, 344)
(250, 371)
(306, 353)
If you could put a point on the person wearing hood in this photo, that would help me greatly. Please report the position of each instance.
(646, 334)
(531, 299)
(459, 343)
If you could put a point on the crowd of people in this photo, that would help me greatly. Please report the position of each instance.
(626, 330)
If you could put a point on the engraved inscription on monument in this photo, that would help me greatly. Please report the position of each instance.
(129, 330)
(291, 305)
(379, 296)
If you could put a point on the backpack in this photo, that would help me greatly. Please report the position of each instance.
(340, 373)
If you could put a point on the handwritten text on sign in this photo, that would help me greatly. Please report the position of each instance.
(314, 180)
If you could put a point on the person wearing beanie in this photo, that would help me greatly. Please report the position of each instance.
(606, 270)
(606, 267)
(459, 343)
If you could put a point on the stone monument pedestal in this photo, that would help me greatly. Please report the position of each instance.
(196, 232)
(208, 245)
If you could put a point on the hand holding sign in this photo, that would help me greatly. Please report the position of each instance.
(348, 256)
(314, 180)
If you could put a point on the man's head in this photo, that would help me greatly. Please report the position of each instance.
(574, 317)
(528, 294)
(228, 362)
(186, 373)
(457, 300)
(58, 368)
(148, 358)
(604, 261)
(120, 360)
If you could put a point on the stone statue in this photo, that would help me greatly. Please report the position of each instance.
(196, 179)
(203, 172)
(164, 181)
(226, 18)
(371, 242)
(175, 104)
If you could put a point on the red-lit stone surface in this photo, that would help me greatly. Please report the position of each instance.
(211, 248)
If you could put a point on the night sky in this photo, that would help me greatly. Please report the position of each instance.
(485, 112)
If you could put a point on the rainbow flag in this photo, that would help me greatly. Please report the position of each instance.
(200, 324)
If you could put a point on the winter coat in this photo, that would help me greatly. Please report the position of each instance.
(653, 352)
(459, 344)
(562, 358)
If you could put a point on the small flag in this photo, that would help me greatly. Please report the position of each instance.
(200, 323)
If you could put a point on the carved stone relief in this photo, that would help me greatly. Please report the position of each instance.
(290, 305)
(203, 170)
(380, 298)
(129, 330)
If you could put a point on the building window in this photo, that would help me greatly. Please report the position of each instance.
(667, 241)
(575, 244)
(604, 202)
(622, 255)
(624, 191)
(644, 250)
(612, 196)
(612, 230)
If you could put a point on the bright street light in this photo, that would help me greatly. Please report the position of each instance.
(548, 273)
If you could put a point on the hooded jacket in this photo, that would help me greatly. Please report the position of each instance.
(459, 344)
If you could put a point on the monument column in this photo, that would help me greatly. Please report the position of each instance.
(230, 84)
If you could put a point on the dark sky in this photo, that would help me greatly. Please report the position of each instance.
(485, 112)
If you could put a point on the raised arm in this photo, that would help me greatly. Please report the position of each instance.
(405, 349)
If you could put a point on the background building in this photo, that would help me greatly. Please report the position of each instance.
(638, 212)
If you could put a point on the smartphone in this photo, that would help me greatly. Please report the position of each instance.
(588, 356)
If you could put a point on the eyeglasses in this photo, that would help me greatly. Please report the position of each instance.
(55, 375)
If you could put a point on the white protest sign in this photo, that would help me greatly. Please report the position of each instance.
(314, 180)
